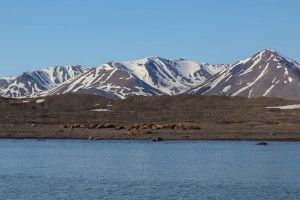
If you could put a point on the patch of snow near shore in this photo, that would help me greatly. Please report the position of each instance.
(25, 101)
(40, 100)
(100, 110)
(288, 107)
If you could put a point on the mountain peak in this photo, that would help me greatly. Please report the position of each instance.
(271, 55)
(153, 57)
(266, 53)
(268, 50)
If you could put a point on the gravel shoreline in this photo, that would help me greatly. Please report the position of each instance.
(53, 132)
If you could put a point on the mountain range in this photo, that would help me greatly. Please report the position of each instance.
(266, 73)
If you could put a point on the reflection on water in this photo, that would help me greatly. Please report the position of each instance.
(82, 169)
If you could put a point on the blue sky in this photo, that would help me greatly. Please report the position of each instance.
(36, 34)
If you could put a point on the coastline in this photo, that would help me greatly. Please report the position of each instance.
(53, 132)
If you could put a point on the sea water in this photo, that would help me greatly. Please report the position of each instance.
(107, 169)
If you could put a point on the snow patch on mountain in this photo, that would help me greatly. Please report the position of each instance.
(251, 84)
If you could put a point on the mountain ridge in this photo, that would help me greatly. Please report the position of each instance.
(148, 76)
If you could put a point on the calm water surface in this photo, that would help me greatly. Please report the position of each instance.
(82, 169)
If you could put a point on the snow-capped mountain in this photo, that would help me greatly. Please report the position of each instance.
(267, 73)
(31, 83)
(149, 76)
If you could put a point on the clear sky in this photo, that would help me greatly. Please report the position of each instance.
(36, 34)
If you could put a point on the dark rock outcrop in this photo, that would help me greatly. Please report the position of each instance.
(262, 143)
(156, 139)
